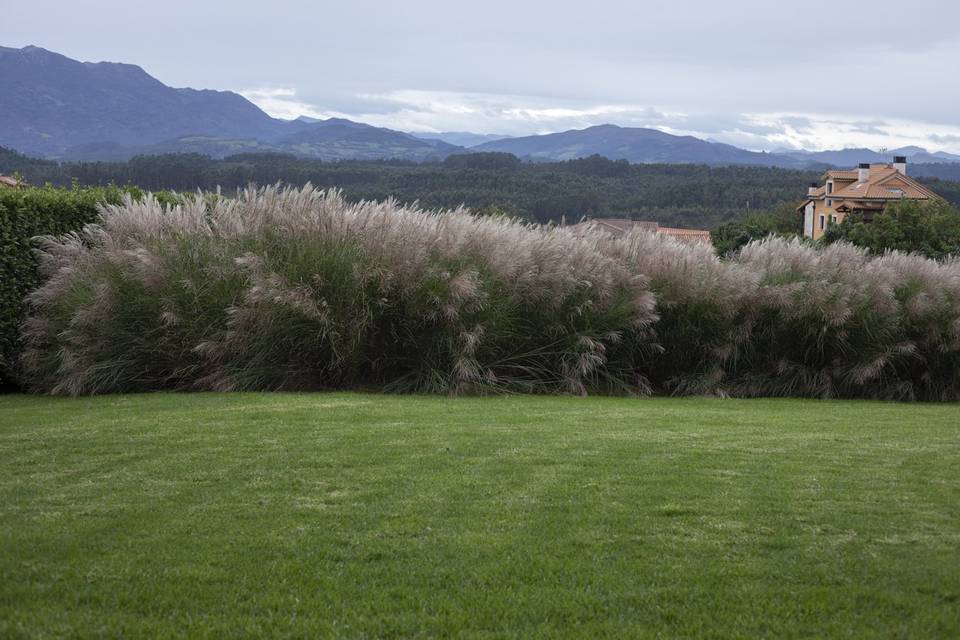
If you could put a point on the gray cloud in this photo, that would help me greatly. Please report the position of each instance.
(947, 139)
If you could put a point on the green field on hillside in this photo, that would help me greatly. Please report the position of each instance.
(347, 515)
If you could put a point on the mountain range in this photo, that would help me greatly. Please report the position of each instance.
(851, 157)
(460, 138)
(55, 107)
(633, 144)
(642, 145)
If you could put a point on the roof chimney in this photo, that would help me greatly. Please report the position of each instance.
(900, 164)
(863, 172)
(812, 189)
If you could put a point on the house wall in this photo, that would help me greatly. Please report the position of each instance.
(826, 207)
(824, 217)
(820, 217)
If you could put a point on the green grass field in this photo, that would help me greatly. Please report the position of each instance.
(342, 515)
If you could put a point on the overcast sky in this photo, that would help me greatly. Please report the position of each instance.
(758, 74)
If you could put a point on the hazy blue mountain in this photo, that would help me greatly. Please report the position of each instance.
(343, 140)
(212, 146)
(633, 144)
(50, 103)
(840, 157)
(53, 106)
(928, 157)
(339, 139)
(852, 157)
(907, 151)
(461, 138)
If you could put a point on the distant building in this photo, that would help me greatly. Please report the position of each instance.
(865, 190)
(12, 183)
(619, 227)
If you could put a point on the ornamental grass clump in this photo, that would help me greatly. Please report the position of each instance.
(835, 322)
(821, 320)
(925, 363)
(285, 288)
(703, 308)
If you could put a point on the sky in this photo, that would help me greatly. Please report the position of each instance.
(760, 75)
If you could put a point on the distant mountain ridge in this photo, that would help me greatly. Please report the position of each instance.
(461, 138)
(643, 145)
(54, 107)
(851, 157)
(635, 145)
(50, 102)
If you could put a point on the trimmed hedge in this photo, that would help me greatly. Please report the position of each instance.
(24, 215)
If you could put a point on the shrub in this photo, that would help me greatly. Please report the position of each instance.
(702, 304)
(730, 237)
(930, 228)
(787, 318)
(925, 361)
(299, 289)
(838, 323)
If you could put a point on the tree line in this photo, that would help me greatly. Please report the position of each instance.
(738, 203)
(694, 196)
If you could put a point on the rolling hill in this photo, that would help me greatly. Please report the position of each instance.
(461, 138)
(340, 139)
(645, 146)
(51, 103)
(331, 140)
(852, 157)
(634, 144)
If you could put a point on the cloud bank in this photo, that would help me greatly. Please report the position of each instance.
(517, 115)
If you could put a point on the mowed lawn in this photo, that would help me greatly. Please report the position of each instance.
(360, 516)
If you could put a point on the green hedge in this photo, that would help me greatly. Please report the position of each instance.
(25, 214)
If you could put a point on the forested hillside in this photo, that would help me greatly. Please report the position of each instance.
(682, 195)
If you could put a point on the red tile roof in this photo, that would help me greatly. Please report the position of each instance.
(841, 174)
(885, 183)
(621, 226)
(850, 205)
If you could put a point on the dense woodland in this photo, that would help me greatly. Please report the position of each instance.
(681, 195)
